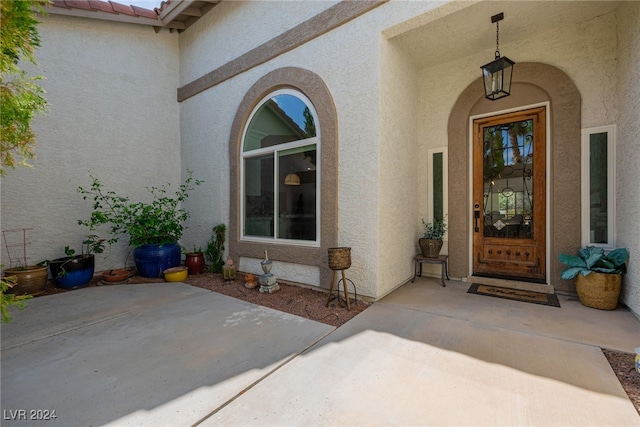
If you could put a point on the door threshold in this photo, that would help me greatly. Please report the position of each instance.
(513, 284)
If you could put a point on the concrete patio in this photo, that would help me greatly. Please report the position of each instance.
(173, 354)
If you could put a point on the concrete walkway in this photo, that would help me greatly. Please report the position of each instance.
(172, 354)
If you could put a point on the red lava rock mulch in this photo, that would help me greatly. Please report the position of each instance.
(293, 299)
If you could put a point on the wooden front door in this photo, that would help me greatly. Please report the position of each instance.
(509, 196)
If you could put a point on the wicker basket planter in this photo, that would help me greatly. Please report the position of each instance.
(599, 290)
(339, 258)
(430, 248)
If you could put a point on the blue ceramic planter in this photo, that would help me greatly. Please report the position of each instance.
(72, 272)
(152, 260)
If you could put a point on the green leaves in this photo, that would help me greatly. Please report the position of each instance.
(215, 248)
(592, 259)
(157, 222)
(20, 97)
(434, 230)
(10, 300)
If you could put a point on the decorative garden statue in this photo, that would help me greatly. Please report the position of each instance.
(268, 283)
(229, 270)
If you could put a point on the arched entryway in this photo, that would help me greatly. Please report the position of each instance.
(533, 83)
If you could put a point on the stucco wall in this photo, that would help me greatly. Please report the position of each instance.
(233, 28)
(587, 55)
(351, 71)
(354, 100)
(628, 149)
(371, 88)
(113, 113)
(400, 182)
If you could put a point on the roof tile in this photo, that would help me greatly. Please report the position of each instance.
(60, 3)
(163, 6)
(121, 8)
(106, 6)
(146, 13)
(101, 6)
(78, 4)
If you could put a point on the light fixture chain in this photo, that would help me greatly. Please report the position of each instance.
(497, 39)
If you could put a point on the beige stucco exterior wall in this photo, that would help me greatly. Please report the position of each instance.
(587, 55)
(352, 72)
(234, 28)
(113, 113)
(591, 67)
(120, 97)
(628, 148)
(401, 185)
(372, 91)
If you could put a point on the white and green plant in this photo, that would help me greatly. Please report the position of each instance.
(434, 230)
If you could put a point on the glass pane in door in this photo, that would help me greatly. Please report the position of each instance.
(508, 180)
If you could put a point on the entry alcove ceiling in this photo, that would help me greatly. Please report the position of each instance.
(460, 29)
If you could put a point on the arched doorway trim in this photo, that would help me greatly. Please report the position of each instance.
(551, 85)
(314, 88)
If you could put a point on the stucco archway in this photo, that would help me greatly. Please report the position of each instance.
(532, 83)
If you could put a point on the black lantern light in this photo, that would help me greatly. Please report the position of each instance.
(497, 73)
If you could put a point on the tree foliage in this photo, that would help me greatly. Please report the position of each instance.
(20, 97)
(8, 300)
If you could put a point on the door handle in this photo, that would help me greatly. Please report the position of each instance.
(476, 215)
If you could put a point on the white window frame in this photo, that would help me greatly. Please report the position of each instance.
(610, 130)
(275, 151)
(445, 184)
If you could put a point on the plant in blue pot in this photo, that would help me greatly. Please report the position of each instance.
(154, 227)
(76, 271)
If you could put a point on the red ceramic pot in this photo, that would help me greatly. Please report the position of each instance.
(195, 263)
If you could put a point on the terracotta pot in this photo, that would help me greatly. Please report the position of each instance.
(115, 275)
(430, 248)
(599, 290)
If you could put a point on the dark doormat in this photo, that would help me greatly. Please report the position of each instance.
(514, 294)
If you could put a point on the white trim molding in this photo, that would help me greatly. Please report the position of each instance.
(588, 235)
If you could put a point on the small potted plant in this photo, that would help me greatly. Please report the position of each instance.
(29, 279)
(431, 240)
(76, 271)
(597, 275)
(154, 227)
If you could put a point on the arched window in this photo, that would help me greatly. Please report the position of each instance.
(280, 171)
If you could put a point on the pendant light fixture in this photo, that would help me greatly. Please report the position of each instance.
(497, 73)
(292, 179)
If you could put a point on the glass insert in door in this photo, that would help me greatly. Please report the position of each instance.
(508, 180)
